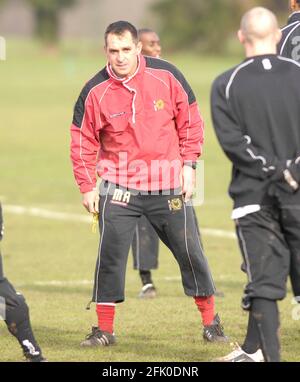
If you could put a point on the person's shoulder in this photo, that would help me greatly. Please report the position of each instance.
(163, 65)
(224, 77)
(288, 27)
(288, 62)
(98, 79)
(224, 81)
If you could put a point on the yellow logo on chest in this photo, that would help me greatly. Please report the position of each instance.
(159, 104)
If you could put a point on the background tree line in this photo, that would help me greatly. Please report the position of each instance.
(201, 25)
(205, 24)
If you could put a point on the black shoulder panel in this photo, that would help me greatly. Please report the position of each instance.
(156, 63)
(80, 104)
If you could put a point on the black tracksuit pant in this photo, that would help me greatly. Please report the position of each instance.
(270, 244)
(175, 224)
(14, 310)
(145, 246)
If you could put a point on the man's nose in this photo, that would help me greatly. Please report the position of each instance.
(121, 56)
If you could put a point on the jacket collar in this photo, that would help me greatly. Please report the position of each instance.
(294, 17)
(140, 69)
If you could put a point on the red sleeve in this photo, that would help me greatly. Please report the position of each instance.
(190, 125)
(84, 142)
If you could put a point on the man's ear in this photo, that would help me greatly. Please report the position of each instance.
(139, 47)
(241, 36)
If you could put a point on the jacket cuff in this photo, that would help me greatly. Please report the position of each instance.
(86, 187)
(190, 158)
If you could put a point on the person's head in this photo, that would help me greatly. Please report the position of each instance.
(295, 5)
(150, 42)
(259, 32)
(122, 48)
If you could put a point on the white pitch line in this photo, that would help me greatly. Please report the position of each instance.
(62, 282)
(218, 233)
(64, 216)
(46, 214)
(58, 283)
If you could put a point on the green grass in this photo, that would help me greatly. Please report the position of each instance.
(37, 95)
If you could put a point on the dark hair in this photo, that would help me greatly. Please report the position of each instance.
(147, 30)
(119, 28)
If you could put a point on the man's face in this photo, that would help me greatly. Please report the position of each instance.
(150, 44)
(294, 5)
(122, 54)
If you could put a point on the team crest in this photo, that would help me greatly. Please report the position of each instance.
(175, 204)
(159, 105)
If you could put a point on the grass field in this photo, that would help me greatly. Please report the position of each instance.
(37, 94)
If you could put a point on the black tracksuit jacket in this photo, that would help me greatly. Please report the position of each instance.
(256, 116)
(289, 45)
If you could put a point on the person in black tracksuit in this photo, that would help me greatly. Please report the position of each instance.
(256, 116)
(289, 45)
(14, 311)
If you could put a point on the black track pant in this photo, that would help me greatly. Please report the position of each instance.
(290, 224)
(270, 245)
(15, 312)
(145, 246)
(265, 254)
(173, 220)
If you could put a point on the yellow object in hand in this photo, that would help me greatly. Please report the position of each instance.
(95, 222)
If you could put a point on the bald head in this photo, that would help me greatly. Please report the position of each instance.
(259, 32)
(259, 24)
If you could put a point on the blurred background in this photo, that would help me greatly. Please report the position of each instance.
(53, 47)
(203, 25)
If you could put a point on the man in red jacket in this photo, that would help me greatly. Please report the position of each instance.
(137, 124)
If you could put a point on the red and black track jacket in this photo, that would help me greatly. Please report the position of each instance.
(150, 117)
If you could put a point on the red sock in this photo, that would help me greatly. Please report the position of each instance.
(106, 314)
(206, 306)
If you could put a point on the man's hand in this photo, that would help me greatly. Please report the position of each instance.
(90, 201)
(188, 182)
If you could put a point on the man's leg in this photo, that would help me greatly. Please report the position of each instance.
(16, 317)
(175, 224)
(145, 255)
(290, 222)
(266, 258)
(118, 216)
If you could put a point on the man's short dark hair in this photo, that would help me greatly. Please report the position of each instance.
(119, 28)
(147, 30)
